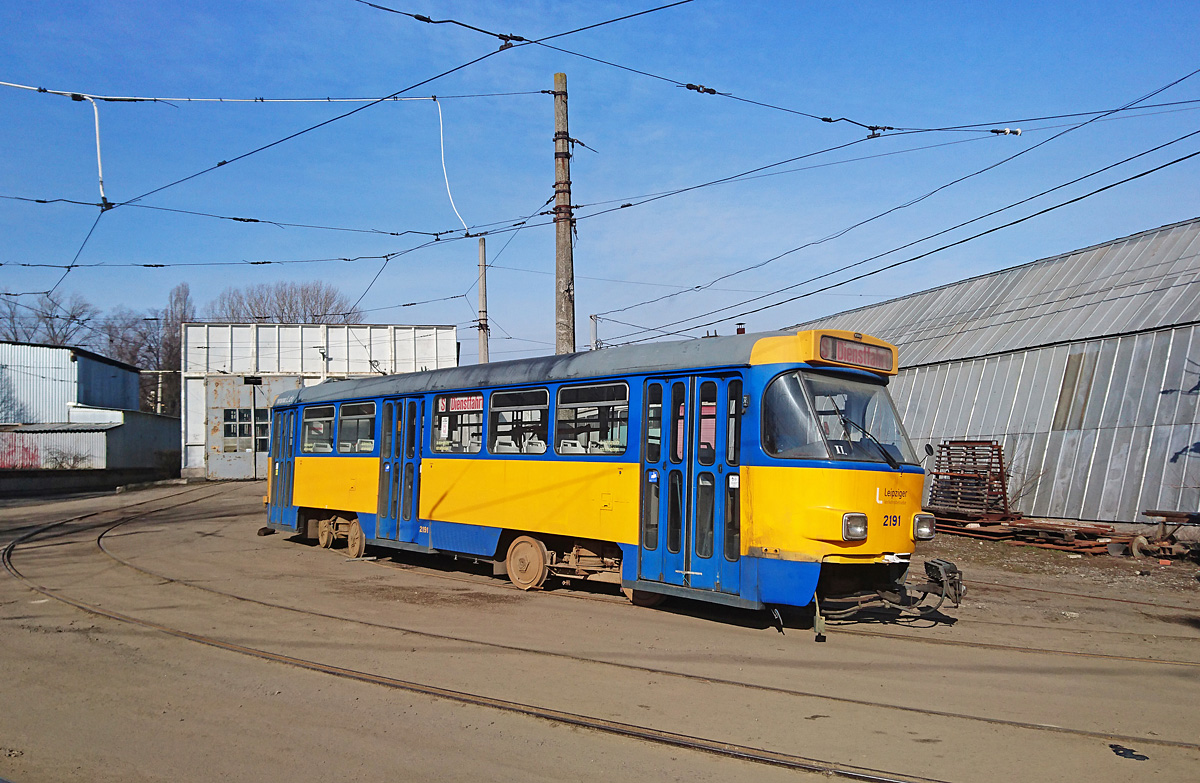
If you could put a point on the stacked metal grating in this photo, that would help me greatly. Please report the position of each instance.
(969, 481)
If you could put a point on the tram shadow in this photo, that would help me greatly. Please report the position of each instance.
(792, 618)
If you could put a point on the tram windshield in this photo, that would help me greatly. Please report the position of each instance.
(815, 415)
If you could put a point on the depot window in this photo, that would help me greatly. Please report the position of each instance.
(458, 423)
(317, 437)
(520, 422)
(592, 419)
(356, 428)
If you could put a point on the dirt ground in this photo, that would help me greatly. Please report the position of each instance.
(1145, 579)
(1053, 669)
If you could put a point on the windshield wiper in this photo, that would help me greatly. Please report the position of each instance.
(886, 454)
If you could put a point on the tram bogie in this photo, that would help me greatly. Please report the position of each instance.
(754, 471)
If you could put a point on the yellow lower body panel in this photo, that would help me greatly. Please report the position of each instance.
(799, 510)
(582, 499)
(340, 483)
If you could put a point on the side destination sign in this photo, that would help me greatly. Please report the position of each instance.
(872, 357)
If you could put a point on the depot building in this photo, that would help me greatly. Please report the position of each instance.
(232, 374)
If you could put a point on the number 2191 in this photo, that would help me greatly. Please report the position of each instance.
(891, 520)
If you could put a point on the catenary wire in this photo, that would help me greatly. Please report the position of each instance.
(927, 195)
(926, 254)
(911, 202)
(365, 106)
(147, 99)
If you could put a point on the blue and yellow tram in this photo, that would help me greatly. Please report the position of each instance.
(752, 470)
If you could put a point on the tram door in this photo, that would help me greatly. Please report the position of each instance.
(690, 531)
(391, 468)
(283, 445)
(400, 473)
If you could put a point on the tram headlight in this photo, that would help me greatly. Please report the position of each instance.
(924, 526)
(854, 527)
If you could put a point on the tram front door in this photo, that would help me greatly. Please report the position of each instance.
(691, 511)
(400, 473)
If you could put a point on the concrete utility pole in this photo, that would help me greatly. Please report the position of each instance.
(564, 222)
(483, 323)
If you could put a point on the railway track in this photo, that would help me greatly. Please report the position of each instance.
(1108, 736)
(623, 729)
(647, 733)
(845, 627)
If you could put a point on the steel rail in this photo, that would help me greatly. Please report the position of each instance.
(1026, 725)
(604, 725)
(842, 628)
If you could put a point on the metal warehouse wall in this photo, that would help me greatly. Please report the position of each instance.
(36, 383)
(104, 385)
(1085, 365)
(1099, 429)
(52, 450)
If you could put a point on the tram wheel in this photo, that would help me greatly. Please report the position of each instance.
(325, 535)
(356, 542)
(643, 597)
(526, 563)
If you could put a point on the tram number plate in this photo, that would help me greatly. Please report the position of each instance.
(891, 520)
(424, 528)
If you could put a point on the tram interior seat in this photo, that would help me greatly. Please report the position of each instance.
(534, 445)
(365, 445)
(505, 445)
(320, 448)
(570, 446)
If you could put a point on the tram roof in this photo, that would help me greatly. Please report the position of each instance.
(661, 357)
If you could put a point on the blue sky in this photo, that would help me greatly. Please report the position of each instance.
(913, 65)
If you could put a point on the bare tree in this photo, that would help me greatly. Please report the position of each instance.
(158, 335)
(18, 322)
(314, 302)
(53, 319)
(121, 335)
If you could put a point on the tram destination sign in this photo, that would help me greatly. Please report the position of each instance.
(856, 354)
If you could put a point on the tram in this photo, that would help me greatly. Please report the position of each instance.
(756, 471)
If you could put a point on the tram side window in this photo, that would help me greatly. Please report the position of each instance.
(458, 423)
(592, 419)
(356, 428)
(317, 436)
(520, 422)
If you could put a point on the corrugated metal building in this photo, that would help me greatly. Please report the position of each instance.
(93, 439)
(1086, 366)
(232, 373)
(38, 383)
(66, 408)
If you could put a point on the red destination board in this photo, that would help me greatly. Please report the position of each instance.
(872, 357)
